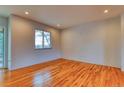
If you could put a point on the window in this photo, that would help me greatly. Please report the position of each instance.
(42, 39)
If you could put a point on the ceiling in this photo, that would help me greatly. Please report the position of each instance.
(66, 16)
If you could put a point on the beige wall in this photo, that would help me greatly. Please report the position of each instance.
(22, 43)
(96, 42)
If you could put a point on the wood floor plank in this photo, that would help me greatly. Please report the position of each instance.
(63, 73)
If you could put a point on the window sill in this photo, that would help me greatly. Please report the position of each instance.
(42, 48)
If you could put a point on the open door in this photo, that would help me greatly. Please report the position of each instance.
(1, 48)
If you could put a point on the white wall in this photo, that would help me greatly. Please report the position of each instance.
(122, 42)
(22, 43)
(96, 42)
(3, 21)
(4, 24)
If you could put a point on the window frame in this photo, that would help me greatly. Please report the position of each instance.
(43, 40)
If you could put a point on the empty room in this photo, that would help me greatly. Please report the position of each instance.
(61, 46)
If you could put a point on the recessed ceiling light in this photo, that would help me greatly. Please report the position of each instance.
(106, 11)
(58, 25)
(26, 12)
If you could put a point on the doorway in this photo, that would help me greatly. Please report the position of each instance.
(1, 47)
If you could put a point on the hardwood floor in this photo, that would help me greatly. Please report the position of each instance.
(63, 73)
